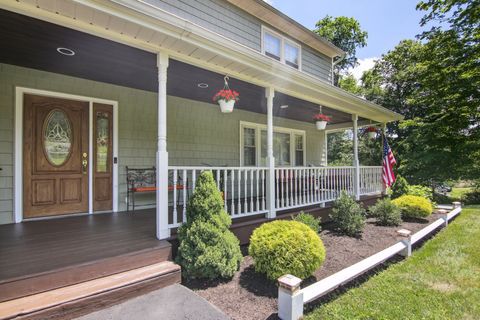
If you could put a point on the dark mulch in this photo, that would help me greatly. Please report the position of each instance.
(251, 296)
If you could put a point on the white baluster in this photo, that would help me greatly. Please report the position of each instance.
(194, 179)
(277, 187)
(224, 188)
(175, 213)
(184, 179)
(251, 191)
(282, 192)
(239, 189)
(263, 190)
(245, 209)
(258, 191)
(232, 195)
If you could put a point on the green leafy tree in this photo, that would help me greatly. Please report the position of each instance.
(347, 34)
(349, 83)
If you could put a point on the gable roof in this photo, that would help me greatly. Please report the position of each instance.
(281, 21)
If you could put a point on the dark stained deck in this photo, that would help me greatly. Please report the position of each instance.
(62, 251)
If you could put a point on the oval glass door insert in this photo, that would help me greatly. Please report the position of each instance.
(57, 137)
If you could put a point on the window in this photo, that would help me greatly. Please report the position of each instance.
(249, 147)
(280, 48)
(288, 145)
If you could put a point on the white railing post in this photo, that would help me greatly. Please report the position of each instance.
(405, 236)
(269, 94)
(356, 163)
(162, 228)
(290, 298)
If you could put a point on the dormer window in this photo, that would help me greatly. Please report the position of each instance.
(280, 48)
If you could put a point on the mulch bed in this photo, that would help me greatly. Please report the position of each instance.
(250, 295)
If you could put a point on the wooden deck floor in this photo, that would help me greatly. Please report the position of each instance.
(61, 249)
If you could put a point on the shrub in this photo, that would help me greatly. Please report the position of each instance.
(347, 215)
(309, 220)
(420, 191)
(386, 213)
(472, 197)
(414, 206)
(207, 247)
(286, 247)
(400, 187)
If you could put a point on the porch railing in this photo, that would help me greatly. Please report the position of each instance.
(244, 188)
(303, 186)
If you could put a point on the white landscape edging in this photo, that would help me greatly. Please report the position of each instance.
(291, 299)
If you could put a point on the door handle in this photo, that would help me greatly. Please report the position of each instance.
(84, 163)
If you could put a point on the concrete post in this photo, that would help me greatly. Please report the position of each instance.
(406, 237)
(356, 162)
(270, 94)
(163, 231)
(456, 204)
(290, 298)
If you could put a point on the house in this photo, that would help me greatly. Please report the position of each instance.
(89, 88)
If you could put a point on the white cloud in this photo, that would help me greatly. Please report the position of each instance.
(363, 65)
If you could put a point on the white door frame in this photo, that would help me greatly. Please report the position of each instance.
(18, 148)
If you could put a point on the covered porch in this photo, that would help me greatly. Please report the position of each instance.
(267, 156)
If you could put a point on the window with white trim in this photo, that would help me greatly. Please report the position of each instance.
(280, 48)
(288, 145)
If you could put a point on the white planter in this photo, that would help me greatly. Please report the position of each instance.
(372, 135)
(226, 106)
(321, 125)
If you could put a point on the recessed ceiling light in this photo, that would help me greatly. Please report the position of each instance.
(285, 106)
(202, 85)
(66, 51)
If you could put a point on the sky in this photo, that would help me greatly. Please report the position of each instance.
(386, 21)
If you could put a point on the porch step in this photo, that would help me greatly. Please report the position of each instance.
(78, 299)
(73, 273)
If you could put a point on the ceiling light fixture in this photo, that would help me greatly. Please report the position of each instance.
(66, 51)
(202, 85)
(285, 106)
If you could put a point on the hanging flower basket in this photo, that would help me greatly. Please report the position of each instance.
(321, 121)
(372, 132)
(226, 98)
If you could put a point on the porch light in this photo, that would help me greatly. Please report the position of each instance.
(202, 85)
(66, 51)
(285, 106)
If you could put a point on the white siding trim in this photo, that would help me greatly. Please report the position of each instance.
(18, 150)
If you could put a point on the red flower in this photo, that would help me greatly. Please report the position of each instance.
(370, 129)
(227, 95)
(322, 117)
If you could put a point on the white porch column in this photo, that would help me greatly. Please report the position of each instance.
(356, 163)
(163, 231)
(269, 94)
(324, 155)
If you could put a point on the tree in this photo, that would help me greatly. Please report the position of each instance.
(349, 83)
(345, 33)
(434, 84)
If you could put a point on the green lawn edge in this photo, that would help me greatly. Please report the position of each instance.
(441, 280)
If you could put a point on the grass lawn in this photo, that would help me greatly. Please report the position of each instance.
(457, 193)
(441, 280)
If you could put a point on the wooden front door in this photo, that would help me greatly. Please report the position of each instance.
(55, 155)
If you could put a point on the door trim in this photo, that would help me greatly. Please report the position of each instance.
(18, 146)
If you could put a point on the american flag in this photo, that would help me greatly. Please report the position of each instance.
(388, 162)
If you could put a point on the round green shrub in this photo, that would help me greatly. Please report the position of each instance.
(286, 247)
(347, 215)
(309, 220)
(208, 249)
(414, 206)
(386, 213)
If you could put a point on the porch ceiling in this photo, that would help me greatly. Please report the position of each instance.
(145, 26)
(32, 43)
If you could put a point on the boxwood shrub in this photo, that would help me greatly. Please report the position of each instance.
(347, 215)
(386, 213)
(414, 206)
(286, 247)
(208, 249)
(309, 220)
